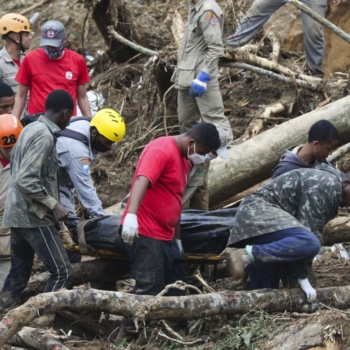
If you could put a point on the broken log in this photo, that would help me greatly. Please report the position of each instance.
(143, 307)
(338, 153)
(39, 339)
(336, 231)
(252, 161)
(98, 270)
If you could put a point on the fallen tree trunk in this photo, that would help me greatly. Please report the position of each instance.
(336, 231)
(252, 161)
(98, 270)
(144, 307)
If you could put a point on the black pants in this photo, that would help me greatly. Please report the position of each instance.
(155, 264)
(46, 243)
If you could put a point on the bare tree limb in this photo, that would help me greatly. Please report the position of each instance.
(321, 20)
(127, 42)
(185, 307)
(269, 74)
(276, 45)
(237, 54)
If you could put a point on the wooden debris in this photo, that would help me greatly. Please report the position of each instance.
(142, 307)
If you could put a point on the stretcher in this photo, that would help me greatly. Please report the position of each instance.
(191, 258)
(206, 259)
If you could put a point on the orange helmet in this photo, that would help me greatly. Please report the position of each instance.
(13, 22)
(10, 128)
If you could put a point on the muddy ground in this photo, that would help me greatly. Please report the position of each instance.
(133, 92)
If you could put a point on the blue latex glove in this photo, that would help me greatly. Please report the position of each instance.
(199, 85)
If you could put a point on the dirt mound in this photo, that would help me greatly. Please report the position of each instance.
(287, 22)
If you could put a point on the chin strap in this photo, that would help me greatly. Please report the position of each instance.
(20, 42)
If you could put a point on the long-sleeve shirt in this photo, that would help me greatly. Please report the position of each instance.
(202, 44)
(75, 159)
(33, 189)
(307, 198)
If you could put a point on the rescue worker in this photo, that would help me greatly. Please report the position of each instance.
(260, 12)
(151, 219)
(322, 140)
(7, 98)
(196, 78)
(198, 177)
(49, 68)
(280, 225)
(15, 30)
(10, 128)
(32, 208)
(76, 147)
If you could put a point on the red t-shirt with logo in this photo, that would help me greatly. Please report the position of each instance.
(43, 75)
(166, 169)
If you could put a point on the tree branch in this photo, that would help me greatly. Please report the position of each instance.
(269, 74)
(186, 307)
(127, 42)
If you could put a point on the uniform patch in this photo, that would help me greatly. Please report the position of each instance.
(69, 75)
(86, 165)
(213, 20)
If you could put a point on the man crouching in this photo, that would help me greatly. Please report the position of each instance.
(280, 226)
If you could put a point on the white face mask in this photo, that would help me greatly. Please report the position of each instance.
(195, 158)
(210, 156)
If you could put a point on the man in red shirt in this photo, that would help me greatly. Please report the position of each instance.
(153, 211)
(50, 68)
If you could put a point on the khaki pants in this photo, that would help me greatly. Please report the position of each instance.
(208, 108)
(5, 266)
(191, 111)
(196, 194)
(261, 11)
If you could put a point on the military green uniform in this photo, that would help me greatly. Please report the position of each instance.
(305, 198)
(33, 189)
(201, 49)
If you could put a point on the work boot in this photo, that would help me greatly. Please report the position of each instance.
(7, 302)
(237, 260)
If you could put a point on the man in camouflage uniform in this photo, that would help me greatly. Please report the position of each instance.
(280, 226)
(32, 208)
(196, 78)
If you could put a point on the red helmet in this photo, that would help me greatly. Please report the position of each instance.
(10, 128)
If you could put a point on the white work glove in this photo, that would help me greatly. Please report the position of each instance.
(130, 228)
(307, 289)
(179, 244)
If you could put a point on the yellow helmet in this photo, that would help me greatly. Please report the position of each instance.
(109, 124)
(13, 22)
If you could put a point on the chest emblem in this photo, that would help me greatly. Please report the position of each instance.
(69, 75)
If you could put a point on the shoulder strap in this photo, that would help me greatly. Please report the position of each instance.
(76, 119)
(75, 135)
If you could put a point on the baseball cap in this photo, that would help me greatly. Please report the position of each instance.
(52, 34)
(222, 151)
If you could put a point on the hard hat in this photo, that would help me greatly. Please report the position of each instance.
(109, 124)
(13, 22)
(10, 128)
